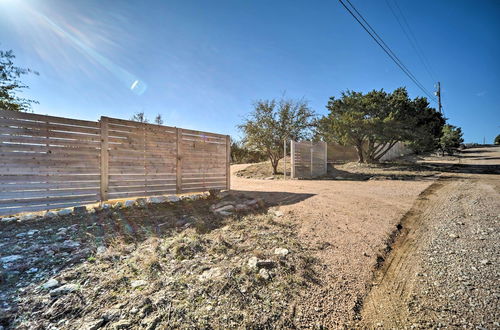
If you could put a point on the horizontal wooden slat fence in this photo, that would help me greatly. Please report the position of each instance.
(51, 162)
(308, 159)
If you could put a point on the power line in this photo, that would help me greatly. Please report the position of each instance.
(411, 37)
(385, 48)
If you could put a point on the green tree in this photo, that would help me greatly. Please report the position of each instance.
(497, 140)
(427, 127)
(272, 122)
(370, 122)
(241, 154)
(158, 120)
(140, 117)
(374, 122)
(451, 139)
(10, 84)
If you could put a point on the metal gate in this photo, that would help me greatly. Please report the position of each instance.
(308, 159)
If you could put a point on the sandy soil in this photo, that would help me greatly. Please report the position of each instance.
(347, 223)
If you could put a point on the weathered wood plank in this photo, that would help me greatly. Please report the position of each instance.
(47, 193)
(27, 201)
(45, 118)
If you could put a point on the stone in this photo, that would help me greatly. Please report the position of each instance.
(157, 199)
(65, 289)
(64, 212)
(252, 262)
(241, 208)
(52, 283)
(209, 274)
(11, 258)
(269, 178)
(69, 245)
(106, 206)
(129, 203)
(32, 232)
(9, 219)
(485, 262)
(141, 201)
(101, 249)
(264, 274)
(122, 324)
(281, 251)
(93, 325)
(32, 270)
(29, 216)
(173, 199)
(278, 213)
(138, 283)
(50, 214)
(452, 235)
(221, 204)
(225, 210)
(265, 264)
(79, 210)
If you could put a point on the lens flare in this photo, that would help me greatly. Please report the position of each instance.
(129, 80)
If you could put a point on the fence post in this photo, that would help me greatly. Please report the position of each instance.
(284, 159)
(292, 159)
(326, 156)
(228, 162)
(312, 152)
(179, 161)
(104, 159)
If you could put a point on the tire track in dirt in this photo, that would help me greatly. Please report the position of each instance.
(395, 270)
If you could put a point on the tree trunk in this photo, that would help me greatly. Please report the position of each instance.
(359, 149)
(274, 164)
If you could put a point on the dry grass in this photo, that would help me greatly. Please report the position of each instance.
(407, 169)
(193, 280)
(264, 170)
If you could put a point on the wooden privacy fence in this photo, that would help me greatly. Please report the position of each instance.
(51, 162)
(308, 159)
(340, 154)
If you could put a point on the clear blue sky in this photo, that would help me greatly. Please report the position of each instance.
(201, 64)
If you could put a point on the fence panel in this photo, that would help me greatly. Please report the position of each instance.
(204, 161)
(141, 159)
(47, 162)
(308, 159)
(341, 154)
(51, 162)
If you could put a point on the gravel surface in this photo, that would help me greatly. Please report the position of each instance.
(346, 223)
(444, 268)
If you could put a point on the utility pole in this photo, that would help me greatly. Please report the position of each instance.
(438, 94)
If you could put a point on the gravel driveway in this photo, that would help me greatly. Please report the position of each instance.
(346, 224)
(443, 271)
(443, 267)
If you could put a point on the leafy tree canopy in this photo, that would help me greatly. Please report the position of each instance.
(451, 139)
(374, 122)
(272, 122)
(10, 84)
(140, 117)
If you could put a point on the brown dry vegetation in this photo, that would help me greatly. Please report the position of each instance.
(193, 279)
(264, 170)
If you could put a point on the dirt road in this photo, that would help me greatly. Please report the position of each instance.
(347, 224)
(443, 264)
(444, 271)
